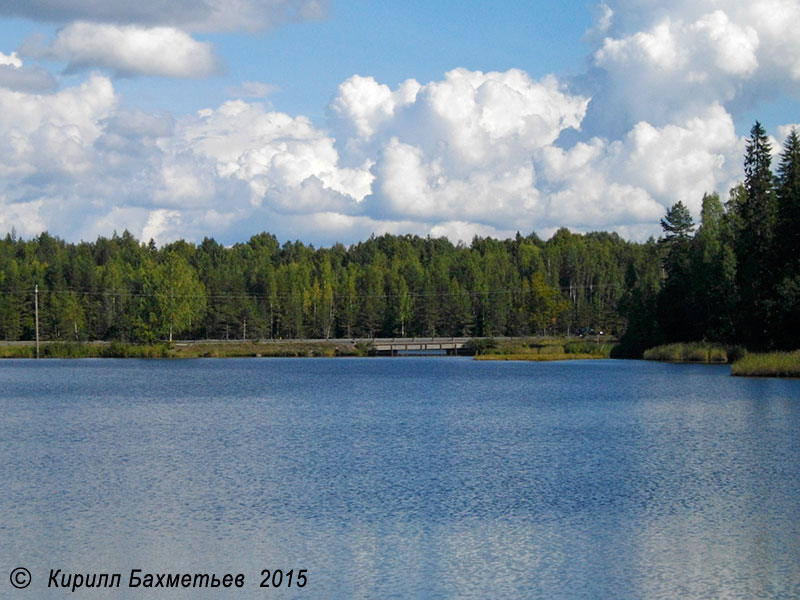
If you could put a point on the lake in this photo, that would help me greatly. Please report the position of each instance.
(402, 477)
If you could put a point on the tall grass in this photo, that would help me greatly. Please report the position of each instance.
(286, 349)
(69, 350)
(770, 364)
(17, 351)
(124, 350)
(589, 347)
(536, 349)
(183, 350)
(84, 350)
(542, 349)
(690, 352)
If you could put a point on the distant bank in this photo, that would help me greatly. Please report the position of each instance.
(525, 348)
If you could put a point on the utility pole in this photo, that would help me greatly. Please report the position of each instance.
(36, 315)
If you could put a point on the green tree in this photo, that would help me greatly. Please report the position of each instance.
(178, 293)
(372, 312)
(463, 320)
(759, 209)
(546, 304)
(12, 302)
(755, 241)
(71, 320)
(348, 294)
(787, 294)
(324, 298)
(788, 193)
(677, 224)
(405, 304)
(639, 302)
(676, 315)
(713, 270)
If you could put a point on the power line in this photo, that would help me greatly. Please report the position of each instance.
(128, 294)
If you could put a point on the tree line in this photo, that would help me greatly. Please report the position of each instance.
(120, 289)
(737, 278)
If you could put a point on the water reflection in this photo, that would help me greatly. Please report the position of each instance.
(424, 478)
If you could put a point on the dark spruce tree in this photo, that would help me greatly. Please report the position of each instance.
(676, 314)
(714, 272)
(787, 244)
(788, 192)
(639, 303)
(755, 242)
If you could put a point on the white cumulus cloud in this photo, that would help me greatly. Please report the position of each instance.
(285, 161)
(44, 135)
(732, 46)
(602, 184)
(456, 150)
(473, 153)
(129, 50)
(662, 61)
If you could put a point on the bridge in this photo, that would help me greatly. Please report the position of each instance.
(438, 345)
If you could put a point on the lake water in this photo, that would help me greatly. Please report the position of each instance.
(402, 478)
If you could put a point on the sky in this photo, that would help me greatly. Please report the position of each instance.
(332, 120)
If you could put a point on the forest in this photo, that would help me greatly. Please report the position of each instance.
(733, 278)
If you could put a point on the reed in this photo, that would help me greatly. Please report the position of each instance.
(17, 351)
(537, 349)
(267, 349)
(769, 364)
(699, 352)
(588, 347)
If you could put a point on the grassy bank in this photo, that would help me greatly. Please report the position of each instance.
(181, 350)
(542, 349)
(268, 349)
(743, 363)
(694, 352)
(539, 357)
(85, 350)
(770, 364)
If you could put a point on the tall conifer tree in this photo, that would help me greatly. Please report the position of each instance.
(755, 247)
(675, 310)
(788, 240)
(787, 244)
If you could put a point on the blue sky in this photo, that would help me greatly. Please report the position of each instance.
(330, 121)
(391, 41)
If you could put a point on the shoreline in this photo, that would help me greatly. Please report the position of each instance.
(524, 348)
(742, 363)
(178, 349)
